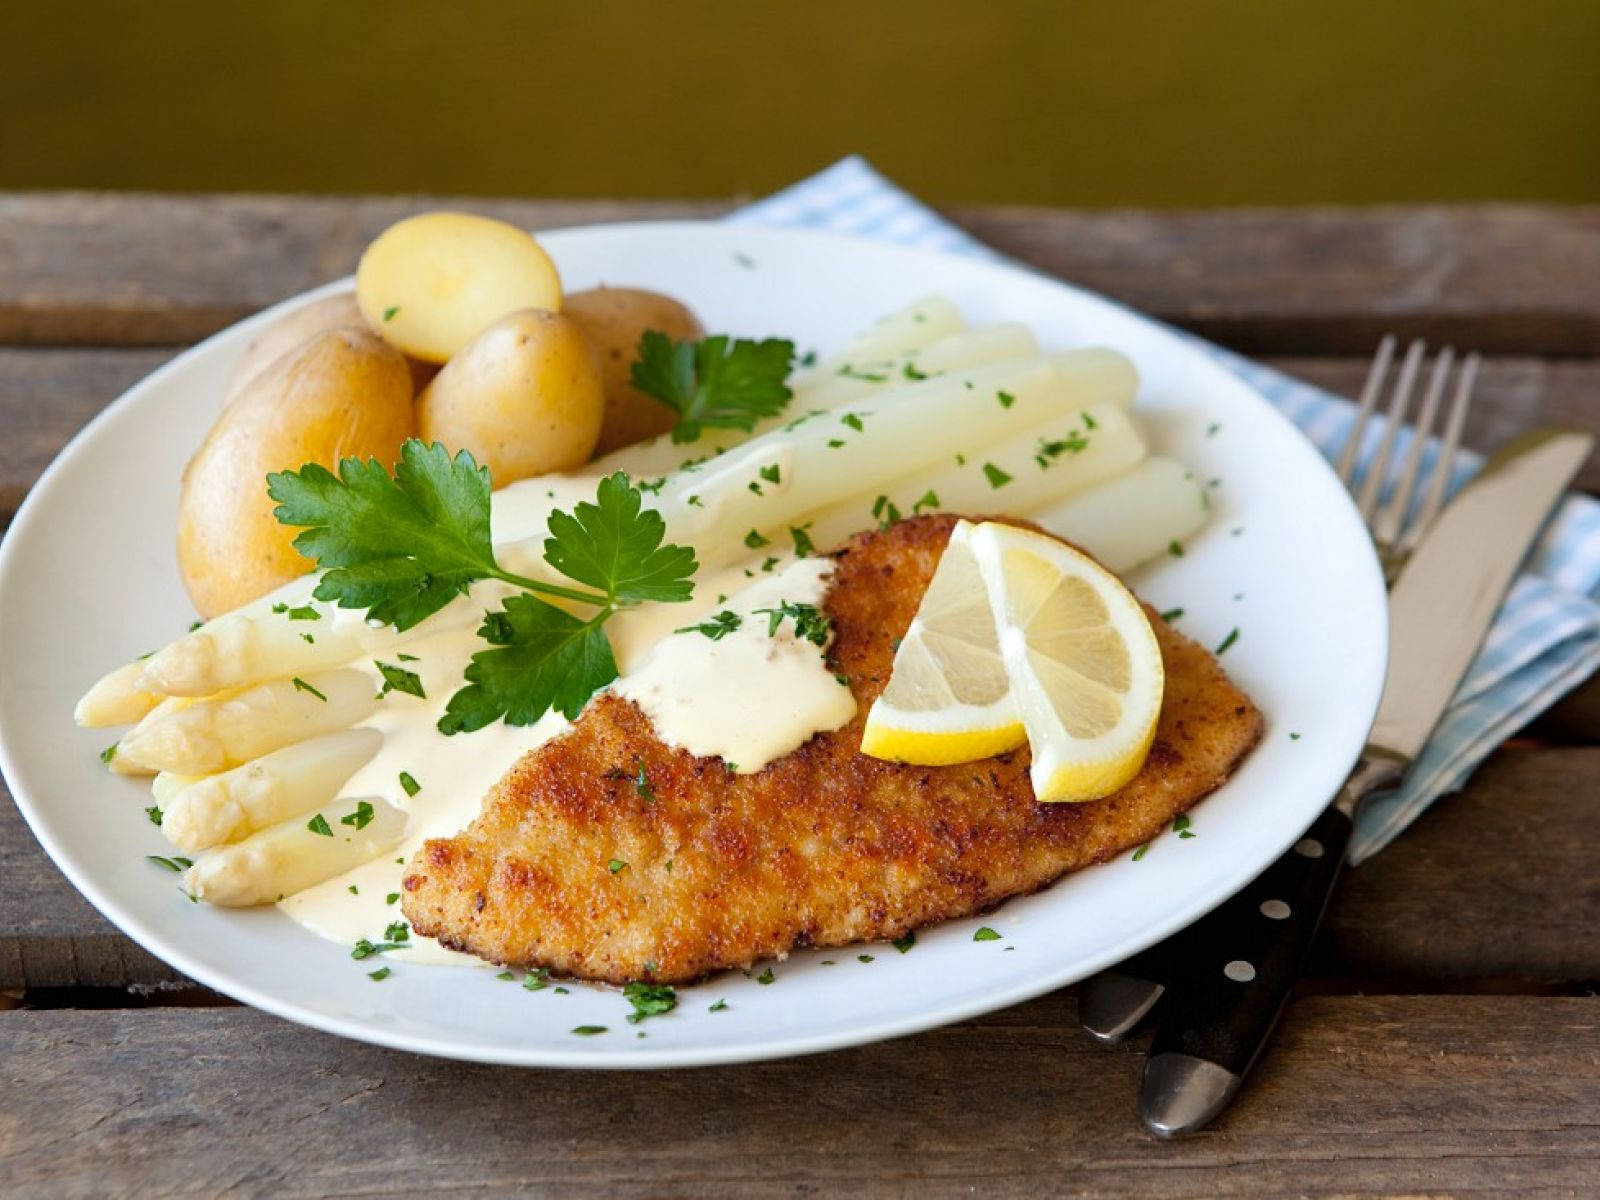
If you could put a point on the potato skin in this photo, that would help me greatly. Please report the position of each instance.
(613, 319)
(345, 392)
(338, 311)
(524, 397)
(431, 283)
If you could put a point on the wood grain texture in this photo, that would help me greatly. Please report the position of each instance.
(48, 393)
(1496, 882)
(1459, 1095)
(90, 269)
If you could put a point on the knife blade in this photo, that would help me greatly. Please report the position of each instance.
(1223, 981)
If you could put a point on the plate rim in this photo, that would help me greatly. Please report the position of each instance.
(175, 955)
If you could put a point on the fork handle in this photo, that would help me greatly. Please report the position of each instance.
(1237, 966)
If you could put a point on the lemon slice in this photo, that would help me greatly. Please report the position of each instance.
(949, 698)
(1084, 664)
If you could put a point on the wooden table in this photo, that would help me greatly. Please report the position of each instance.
(1446, 1040)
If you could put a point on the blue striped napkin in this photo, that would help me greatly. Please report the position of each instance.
(1546, 638)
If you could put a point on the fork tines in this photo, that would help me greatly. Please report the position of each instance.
(1392, 531)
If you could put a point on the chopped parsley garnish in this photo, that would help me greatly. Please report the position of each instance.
(766, 976)
(649, 1000)
(408, 781)
(1175, 548)
(863, 958)
(641, 785)
(1006, 399)
(319, 826)
(587, 1030)
(849, 372)
(193, 625)
(397, 931)
(561, 991)
(536, 980)
(853, 421)
(719, 1006)
(506, 976)
(803, 545)
(404, 657)
(1212, 428)
(353, 890)
(1180, 826)
(401, 547)
(1050, 449)
(717, 626)
(391, 312)
(303, 613)
(300, 685)
(904, 944)
(1233, 636)
(366, 948)
(986, 935)
(1171, 615)
(717, 382)
(1088, 421)
(176, 864)
(108, 753)
(398, 679)
(996, 477)
(1141, 852)
(771, 474)
(755, 541)
(910, 372)
(810, 625)
(391, 897)
(1293, 737)
(835, 443)
(929, 500)
(361, 817)
(154, 813)
(961, 460)
(885, 512)
(615, 865)
(380, 974)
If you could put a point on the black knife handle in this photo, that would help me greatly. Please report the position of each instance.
(1237, 966)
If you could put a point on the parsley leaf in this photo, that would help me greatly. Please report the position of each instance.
(398, 679)
(718, 382)
(717, 626)
(400, 546)
(649, 1000)
(615, 545)
(319, 825)
(544, 658)
(810, 624)
(361, 817)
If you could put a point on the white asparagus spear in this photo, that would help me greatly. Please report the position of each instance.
(1133, 518)
(217, 734)
(827, 388)
(168, 784)
(117, 699)
(1040, 466)
(918, 324)
(871, 443)
(281, 784)
(290, 857)
(122, 763)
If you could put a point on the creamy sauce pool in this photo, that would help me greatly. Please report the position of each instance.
(748, 697)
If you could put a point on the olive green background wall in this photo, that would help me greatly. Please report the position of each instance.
(1093, 103)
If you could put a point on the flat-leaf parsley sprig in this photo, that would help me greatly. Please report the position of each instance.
(404, 546)
(717, 382)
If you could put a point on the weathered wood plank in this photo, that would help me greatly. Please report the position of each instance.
(1358, 1095)
(1457, 898)
(97, 269)
(48, 394)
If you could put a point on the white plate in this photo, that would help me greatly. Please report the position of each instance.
(87, 580)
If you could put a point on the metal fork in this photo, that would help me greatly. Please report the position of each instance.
(1113, 1003)
(1394, 536)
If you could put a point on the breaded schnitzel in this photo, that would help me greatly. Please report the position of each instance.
(822, 847)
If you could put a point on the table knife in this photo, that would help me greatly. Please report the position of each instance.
(1222, 982)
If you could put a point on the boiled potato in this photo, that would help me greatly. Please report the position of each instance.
(295, 329)
(524, 397)
(345, 392)
(613, 319)
(431, 283)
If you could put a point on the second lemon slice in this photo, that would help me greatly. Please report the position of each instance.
(1083, 662)
(949, 699)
